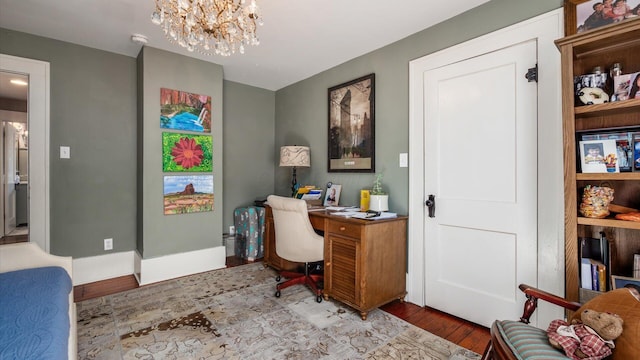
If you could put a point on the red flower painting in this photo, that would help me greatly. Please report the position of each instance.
(187, 153)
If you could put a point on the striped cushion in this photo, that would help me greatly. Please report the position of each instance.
(528, 342)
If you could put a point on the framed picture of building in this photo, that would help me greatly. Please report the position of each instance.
(351, 126)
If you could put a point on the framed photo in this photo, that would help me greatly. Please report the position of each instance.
(351, 126)
(624, 146)
(333, 195)
(584, 15)
(636, 151)
(618, 282)
(599, 156)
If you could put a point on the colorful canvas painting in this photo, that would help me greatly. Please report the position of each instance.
(185, 152)
(185, 194)
(180, 110)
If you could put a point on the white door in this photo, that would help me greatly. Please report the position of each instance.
(480, 163)
(10, 156)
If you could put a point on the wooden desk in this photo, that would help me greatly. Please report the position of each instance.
(365, 261)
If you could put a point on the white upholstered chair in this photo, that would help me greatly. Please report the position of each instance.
(296, 241)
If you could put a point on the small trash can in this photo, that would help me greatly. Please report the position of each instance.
(229, 241)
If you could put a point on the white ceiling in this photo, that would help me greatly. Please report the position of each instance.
(299, 38)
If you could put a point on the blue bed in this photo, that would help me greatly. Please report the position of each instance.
(34, 313)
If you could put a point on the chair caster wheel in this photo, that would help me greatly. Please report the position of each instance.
(319, 298)
(278, 278)
(277, 293)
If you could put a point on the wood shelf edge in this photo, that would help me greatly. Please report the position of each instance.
(606, 108)
(609, 223)
(608, 176)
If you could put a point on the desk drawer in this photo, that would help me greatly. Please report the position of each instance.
(344, 229)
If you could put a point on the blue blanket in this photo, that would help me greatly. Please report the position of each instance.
(34, 314)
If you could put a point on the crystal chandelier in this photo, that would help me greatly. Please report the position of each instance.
(209, 26)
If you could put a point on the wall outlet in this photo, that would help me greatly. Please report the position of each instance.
(108, 244)
(232, 230)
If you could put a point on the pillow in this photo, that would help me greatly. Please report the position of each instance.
(626, 303)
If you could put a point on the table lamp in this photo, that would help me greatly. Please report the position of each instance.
(294, 156)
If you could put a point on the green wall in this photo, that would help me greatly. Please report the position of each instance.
(249, 132)
(301, 108)
(94, 110)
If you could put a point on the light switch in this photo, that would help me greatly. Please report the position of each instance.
(65, 152)
(404, 160)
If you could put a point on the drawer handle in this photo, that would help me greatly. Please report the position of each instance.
(342, 228)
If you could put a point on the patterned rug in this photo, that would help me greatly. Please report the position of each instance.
(233, 314)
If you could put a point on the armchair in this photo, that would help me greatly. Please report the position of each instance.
(513, 340)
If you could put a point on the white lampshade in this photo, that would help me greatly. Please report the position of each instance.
(295, 156)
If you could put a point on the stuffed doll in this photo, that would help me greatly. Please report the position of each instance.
(588, 339)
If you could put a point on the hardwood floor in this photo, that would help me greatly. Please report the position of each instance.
(464, 333)
(11, 239)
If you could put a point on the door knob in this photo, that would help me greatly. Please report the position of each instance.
(431, 204)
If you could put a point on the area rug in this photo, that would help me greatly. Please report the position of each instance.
(233, 314)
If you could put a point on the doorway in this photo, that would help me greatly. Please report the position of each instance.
(14, 152)
(37, 126)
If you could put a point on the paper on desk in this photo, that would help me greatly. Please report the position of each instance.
(343, 213)
(368, 216)
(343, 208)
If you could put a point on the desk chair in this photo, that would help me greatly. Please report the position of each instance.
(514, 340)
(296, 241)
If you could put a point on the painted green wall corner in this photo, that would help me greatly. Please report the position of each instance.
(249, 133)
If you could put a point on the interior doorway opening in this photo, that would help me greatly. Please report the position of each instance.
(14, 151)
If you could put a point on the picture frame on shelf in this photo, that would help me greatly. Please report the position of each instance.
(351, 127)
(624, 146)
(636, 151)
(585, 15)
(598, 156)
(619, 282)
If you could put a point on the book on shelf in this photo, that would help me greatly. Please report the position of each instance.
(593, 275)
(595, 261)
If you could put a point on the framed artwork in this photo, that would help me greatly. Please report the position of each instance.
(185, 194)
(618, 282)
(584, 15)
(180, 110)
(332, 197)
(351, 126)
(599, 156)
(186, 152)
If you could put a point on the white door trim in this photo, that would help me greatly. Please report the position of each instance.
(545, 28)
(38, 113)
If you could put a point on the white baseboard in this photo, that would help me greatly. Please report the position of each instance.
(147, 271)
(102, 267)
(162, 268)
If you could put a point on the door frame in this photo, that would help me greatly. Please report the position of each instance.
(38, 117)
(544, 29)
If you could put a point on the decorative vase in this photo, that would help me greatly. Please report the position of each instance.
(379, 202)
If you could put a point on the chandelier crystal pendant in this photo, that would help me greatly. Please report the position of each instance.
(209, 26)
